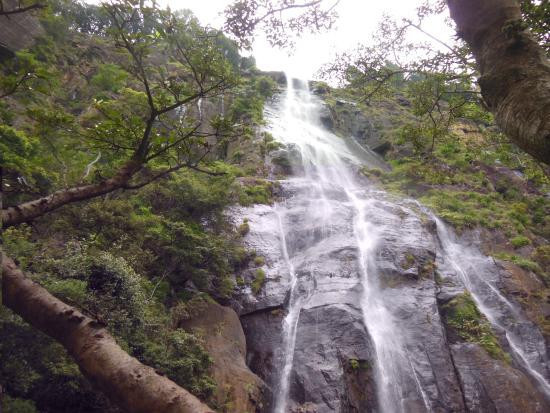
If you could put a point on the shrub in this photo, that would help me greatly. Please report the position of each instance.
(258, 282)
(109, 77)
(244, 228)
(522, 262)
(183, 359)
(259, 261)
(520, 241)
(14, 405)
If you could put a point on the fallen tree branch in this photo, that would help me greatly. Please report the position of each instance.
(134, 387)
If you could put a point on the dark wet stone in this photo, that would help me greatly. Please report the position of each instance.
(491, 385)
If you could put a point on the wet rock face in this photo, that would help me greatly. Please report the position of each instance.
(333, 361)
(491, 385)
(333, 357)
(348, 120)
(286, 161)
(363, 279)
(405, 266)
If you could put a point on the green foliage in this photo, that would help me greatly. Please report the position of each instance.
(251, 95)
(259, 261)
(18, 151)
(182, 358)
(111, 291)
(258, 282)
(536, 15)
(109, 77)
(258, 191)
(520, 241)
(14, 405)
(37, 371)
(18, 243)
(135, 261)
(542, 255)
(464, 317)
(520, 261)
(356, 365)
(265, 86)
(244, 228)
(371, 172)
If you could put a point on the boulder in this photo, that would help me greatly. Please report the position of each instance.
(238, 389)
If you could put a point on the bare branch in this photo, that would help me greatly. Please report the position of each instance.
(89, 167)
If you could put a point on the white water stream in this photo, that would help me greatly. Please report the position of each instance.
(330, 167)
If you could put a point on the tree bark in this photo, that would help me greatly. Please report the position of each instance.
(132, 386)
(28, 211)
(514, 69)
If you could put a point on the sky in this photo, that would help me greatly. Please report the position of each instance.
(356, 22)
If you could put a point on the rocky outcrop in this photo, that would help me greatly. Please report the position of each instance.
(371, 126)
(491, 385)
(333, 361)
(19, 30)
(286, 161)
(333, 357)
(353, 288)
(238, 389)
(347, 119)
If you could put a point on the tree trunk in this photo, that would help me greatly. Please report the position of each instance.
(28, 211)
(132, 386)
(515, 72)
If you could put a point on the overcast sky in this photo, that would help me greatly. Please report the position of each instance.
(357, 20)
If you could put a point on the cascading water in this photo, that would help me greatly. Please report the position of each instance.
(353, 275)
(479, 274)
(328, 164)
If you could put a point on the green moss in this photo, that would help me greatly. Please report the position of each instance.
(463, 316)
(260, 192)
(258, 281)
(520, 241)
(226, 287)
(522, 262)
(259, 261)
(542, 255)
(409, 260)
(356, 365)
(244, 228)
(428, 269)
(14, 405)
(371, 172)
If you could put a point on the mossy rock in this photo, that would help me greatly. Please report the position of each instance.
(464, 318)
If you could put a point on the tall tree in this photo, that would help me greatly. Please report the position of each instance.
(148, 132)
(148, 127)
(514, 70)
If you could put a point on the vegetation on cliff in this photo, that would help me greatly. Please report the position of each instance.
(74, 109)
(149, 121)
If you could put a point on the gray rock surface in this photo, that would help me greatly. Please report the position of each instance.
(491, 385)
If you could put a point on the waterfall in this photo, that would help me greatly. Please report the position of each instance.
(328, 163)
(348, 274)
(477, 273)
